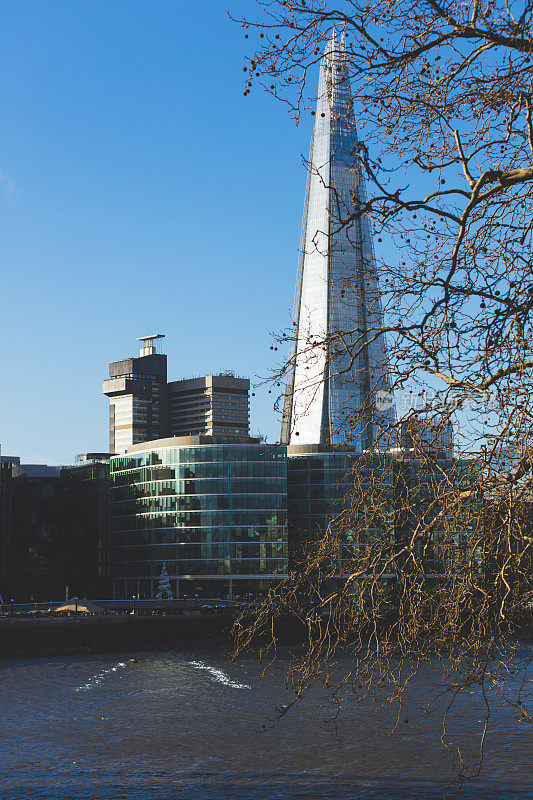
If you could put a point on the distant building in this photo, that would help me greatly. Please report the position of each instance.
(338, 404)
(8, 471)
(91, 458)
(137, 391)
(337, 289)
(9, 459)
(144, 406)
(425, 434)
(216, 405)
(30, 534)
(318, 481)
(53, 529)
(404, 488)
(41, 470)
(213, 511)
(84, 519)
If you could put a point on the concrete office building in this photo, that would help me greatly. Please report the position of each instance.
(144, 406)
(216, 405)
(137, 391)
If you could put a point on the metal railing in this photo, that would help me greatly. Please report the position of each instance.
(189, 603)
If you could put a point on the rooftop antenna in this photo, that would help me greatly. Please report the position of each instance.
(149, 344)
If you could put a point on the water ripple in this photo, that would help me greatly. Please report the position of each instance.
(219, 676)
(97, 679)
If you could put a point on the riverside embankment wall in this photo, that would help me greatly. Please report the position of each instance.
(109, 633)
(27, 637)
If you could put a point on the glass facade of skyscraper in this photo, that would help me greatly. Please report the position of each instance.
(340, 360)
(215, 514)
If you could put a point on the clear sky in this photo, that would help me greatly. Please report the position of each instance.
(140, 192)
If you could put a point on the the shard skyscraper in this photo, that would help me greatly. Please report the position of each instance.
(339, 360)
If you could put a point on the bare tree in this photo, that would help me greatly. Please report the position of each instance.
(439, 566)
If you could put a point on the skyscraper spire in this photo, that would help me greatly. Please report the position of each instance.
(337, 290)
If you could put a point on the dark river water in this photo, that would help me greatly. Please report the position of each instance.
(187, 725)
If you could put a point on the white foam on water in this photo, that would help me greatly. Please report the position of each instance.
(97, 679)
(219, 676)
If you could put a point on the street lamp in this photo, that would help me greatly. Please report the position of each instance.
(133, 599)
(75, 604)
(12, 601)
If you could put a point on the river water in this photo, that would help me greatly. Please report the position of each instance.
(187, 725)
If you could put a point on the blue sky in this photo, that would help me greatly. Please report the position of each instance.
(140, 192)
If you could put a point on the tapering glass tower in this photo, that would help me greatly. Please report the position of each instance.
(339, 360)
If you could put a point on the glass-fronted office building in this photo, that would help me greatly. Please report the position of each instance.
(318, 485)
(321, 482)
(385, 493)
(215, 513)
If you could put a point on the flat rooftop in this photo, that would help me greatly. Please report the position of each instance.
(190, 441)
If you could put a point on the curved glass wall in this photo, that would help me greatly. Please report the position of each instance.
(207, 512)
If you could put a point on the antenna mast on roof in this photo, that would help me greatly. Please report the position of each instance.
(149, 344)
